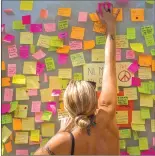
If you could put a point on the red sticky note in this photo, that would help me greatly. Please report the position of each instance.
(43, 13)
(26, 19)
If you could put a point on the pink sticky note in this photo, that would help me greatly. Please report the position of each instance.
(124, 153)
(118, 54)
(8, 38)
(12, 51)
(130, 54)
(103, 5)
(136, 81)
(35, 106)
(62, 58)
(75, 45)
(35, 28)
(5, 108)
(45, 77)
(26, 19)
(150, 151)
(11, 70)
(122, 1)
(56, 92)
(3, 28)
(82, 16)
(22, 152)
(34, 142)
(153, 141)
(40, 68)
(50, 27)
(134, 67)
(63, 35)
(24, 52)
(51, 106)
(9, 11)
(8, 94)
(32, 92)
(38, 116)
(39, 54)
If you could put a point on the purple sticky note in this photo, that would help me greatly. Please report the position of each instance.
(40, 68)
(63, 35)
(8, 38)
(3, 28)
(134, 67)
(124, 153)
(24, 51)
(56, 92)
(26, 19)
(51, 106)
(150, 151)
(36, 28)
(5, 108)
(136, 81)
(62, 58)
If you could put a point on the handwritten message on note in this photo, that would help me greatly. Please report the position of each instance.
(11, 70)
(137, 15)
(35, 106)
(8, 94)
(97, 55)
(122, 41)
(65, 73)
(21, 137)
(100, 40)
(44, 41)
(24, 52)
(56, 42)
(147, 30)
(26, 38)
(63, 24)
(12, 51)
(66, 12)
(21, 94)
(131, 93)
(32, 82)
(145, 73)
(149, 40)
(50, 27)
(50, 65)
(130, 54)
(77, 33)
(29, 68)
(99, 27)
(75, 45)
(122, 100)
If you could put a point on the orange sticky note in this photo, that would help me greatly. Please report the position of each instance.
(120, 15)
(6, 81)
(94, 17)
(137, 15)
(66, 12)
(90, 44)
(77, 33)
(63, 50)
(145, 60)
(3, 65)
(153, 65)
(43, 13)
(8, 147)
(99, 27)
(17, 124)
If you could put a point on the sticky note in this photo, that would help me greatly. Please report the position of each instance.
(46, 95)
(145, 113)
(66, 12)
(94, 17)
(100, 40)
(122, 100)
(136, 118)
(122, 41)
(82, 16)
(143, 143)
(130, 54)
(39, 55)
(44, 141)
(146, 100)
(21, 137)
(145, 73)
(144, 88)
(52, 49)
(44, 41)
(43, 13)
(65, 73)
(9, 11)
(5, 108)
(147, 30)
(40, 68)
(56, 92)
(8, 38)
(12, 51)
(77, 76)
(50, 65)
(26, 5)
(22, 152)
(56, 42)
(29, 67)
(50, 27)
(51, 107)
(145, 60)
(6, 132)
(125, 133)
(35, 106)
(150, 1)
(133, 150)
(131, 93)
(122, 117)
(75, 45)
(26, 19)
(62, 114)
(38, 116)
(153, 65)
(120, 14)
(36, 28)
(6, 119)
(46, 116)
(17, 25)
(18, 79)
(35, 135)
(21, 111)
(63, 24)
(24, 52)
(3, 67)
(89, 44)
(63, 50)
(17, 124)
(26, 38)
(11, 70)
(138, 127)
(6, 81)
(135, 135)
(149, 40)
(8, 147)
(136, 82)
(32, 82)
(151, 85)
(28, 124)
(98, 27)
(63, 35)
(8, 94)
(137, 47)
(77, 59)
(32, 92)
(54, 82)
(97, 55)
(118, 54)
(77, 33)
(137, 15)
(47, 129)
(152, 125)
(62, 58)
(14, 105)
(131, 33)
(122, 144)
(21, 94)
(134, 66)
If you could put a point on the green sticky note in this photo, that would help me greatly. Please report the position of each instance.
(135, 135)
(152, 52)
(21, 111)
(64, 83)
(6, 119)
(26, 5)
(17, 25)
(44, 141)
(147, 30)
(149, 40)
(122, 144)
(131, 33)
(150, 1)
(153, 125)
(46, 115)
(133, 150)
(138, 127)
(152, 85)
(144, 88)
(52, 49)
(56, 42)
(100, 40)
(77, 76)
(143, 143)
(125, 133)
(14, 105)
(63, 24)
(32, 49)
(50, 65)
(145, 113)
(122, 100)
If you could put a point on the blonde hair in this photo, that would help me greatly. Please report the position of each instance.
(80, 101)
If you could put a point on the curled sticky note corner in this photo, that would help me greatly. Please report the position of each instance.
(137, 47)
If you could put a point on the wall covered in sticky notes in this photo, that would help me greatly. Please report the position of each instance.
(45, 45)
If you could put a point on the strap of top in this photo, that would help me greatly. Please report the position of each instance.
(73, 144)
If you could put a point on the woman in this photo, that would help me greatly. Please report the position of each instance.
(91, 129)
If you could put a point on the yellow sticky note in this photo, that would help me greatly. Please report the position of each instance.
(65, 73)
(21, 111)
(135, 135)
(120, 15)
(29, 67)
(137, 47)
(131, 93)
(77, 33)
(145, 113)
(64, 83)
(35, 135)
(153, 125)
(77, 76)
(138, 127)
(32, 82)
(136, 118)
(21, 94)
(122, 41)
(5, 133)
(137, 15)
(44, 41)
(145, 73)
(47, 129)
(26, 5)
(125, 133)
(46, 95)
(94, 17)
(133, 150)
(122, 144)
(66, 12)
(18, 79)
(21, 137)
(90, 44)
(17, 124)
(3, 65)
(97, 55)
(122, 117)
(146, 100)
(55, 82)
(56, 42)
(143, 143)
(28, 124)
(26, 38)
